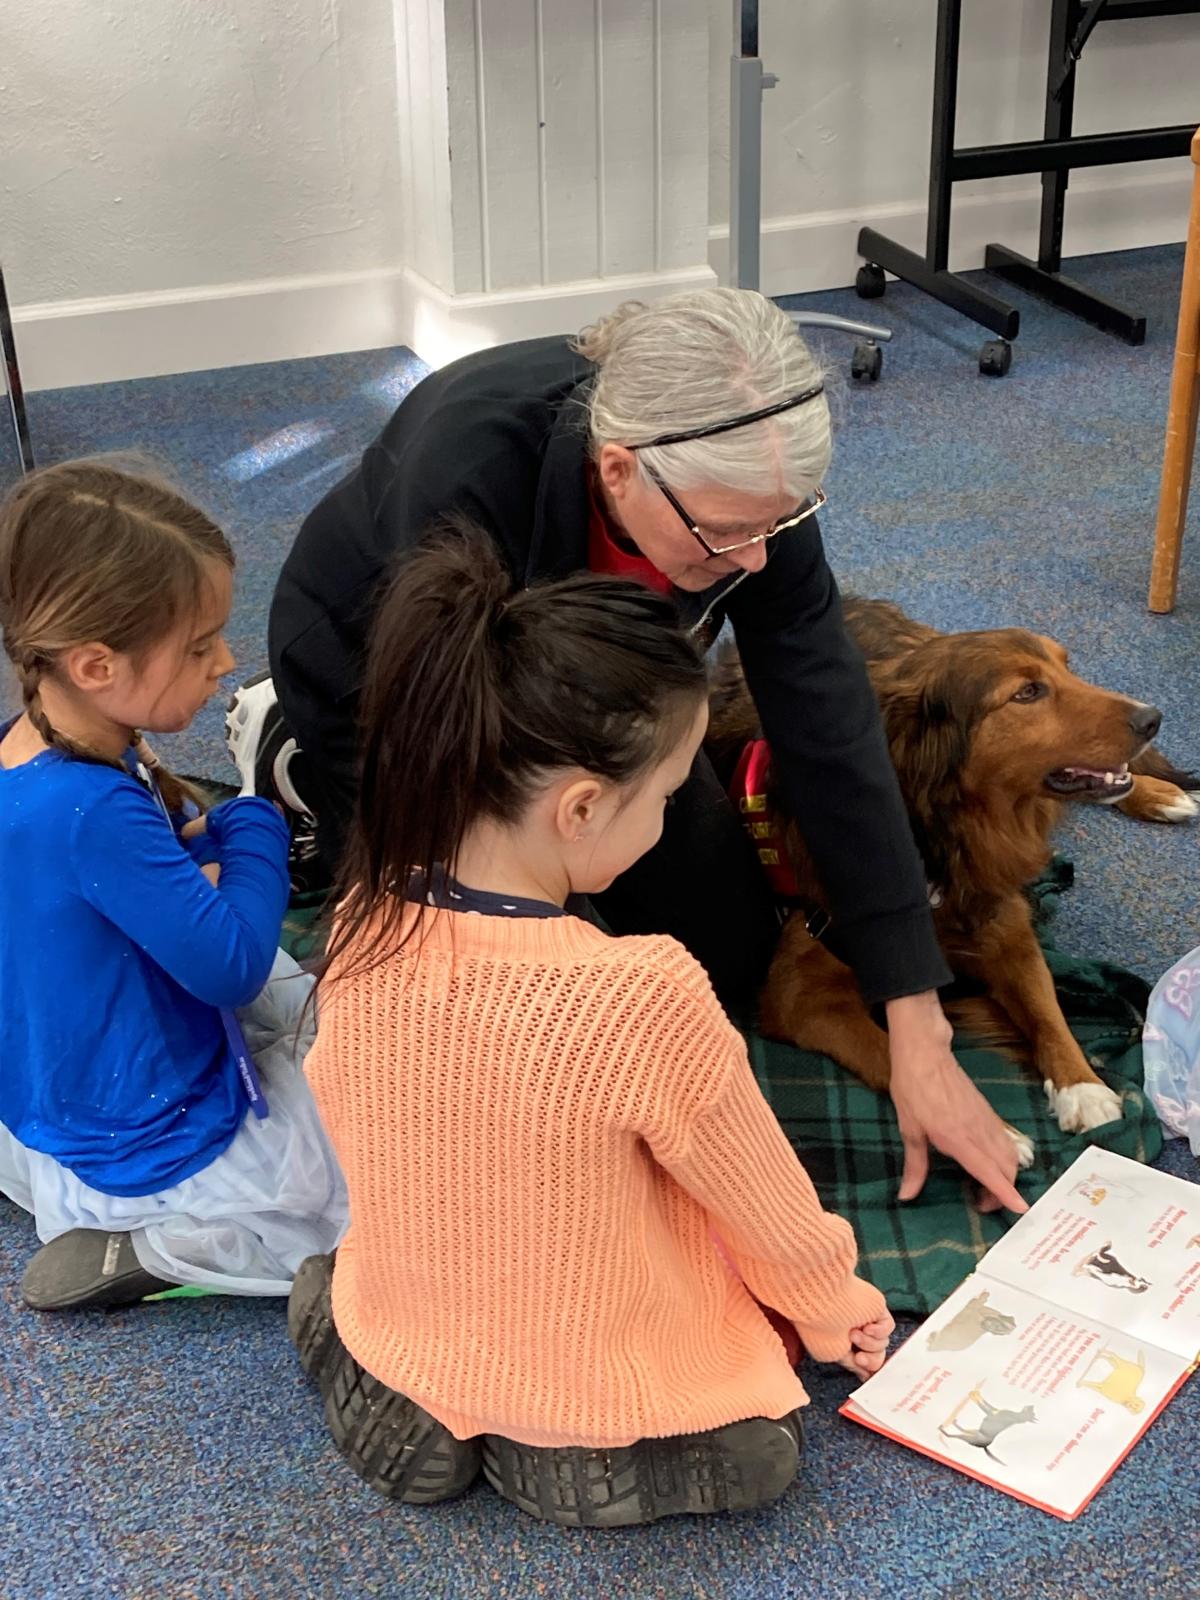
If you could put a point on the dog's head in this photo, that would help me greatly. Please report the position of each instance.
(999, 714)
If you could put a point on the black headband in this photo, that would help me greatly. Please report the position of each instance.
(736, 422)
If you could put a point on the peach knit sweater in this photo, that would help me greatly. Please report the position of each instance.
(541, 1129)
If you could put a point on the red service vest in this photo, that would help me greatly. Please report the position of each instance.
(749, 793)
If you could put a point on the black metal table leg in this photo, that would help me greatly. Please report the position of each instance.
(1053, 156)
(1059, 120)
(967, 298)
(16, 394)
(929, 272)
(1066, 293)
(1043, 277)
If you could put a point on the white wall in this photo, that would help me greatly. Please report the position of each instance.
(157, 144)
(200, 182)
(165, 151)
(846, 131)
(579, 139)
(555, 161)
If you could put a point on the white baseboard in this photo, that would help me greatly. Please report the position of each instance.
(819, 250)
(62, 344)
(441, 326)
(67, 343)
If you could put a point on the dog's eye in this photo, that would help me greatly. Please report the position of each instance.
(1030, 691)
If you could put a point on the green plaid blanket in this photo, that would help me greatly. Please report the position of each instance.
(848, 1139)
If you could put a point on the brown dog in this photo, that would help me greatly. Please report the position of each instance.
(991, 735)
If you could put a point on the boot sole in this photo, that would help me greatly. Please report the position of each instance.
(398, 1449)
(735, 1468)
(310, 1323)
(245, 717)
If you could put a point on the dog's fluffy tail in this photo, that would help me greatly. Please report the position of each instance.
(1153, 764)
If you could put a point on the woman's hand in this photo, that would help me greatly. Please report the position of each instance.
(937, 1104)
(868, 1346)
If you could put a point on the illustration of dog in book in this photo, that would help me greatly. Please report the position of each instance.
(1106, 1269)
(1120, 1383)
(993, 1421)
(975, 1319)
(1096, 1189)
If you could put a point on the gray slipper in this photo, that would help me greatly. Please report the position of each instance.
(88, 1269)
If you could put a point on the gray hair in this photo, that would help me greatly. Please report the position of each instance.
(697, 359)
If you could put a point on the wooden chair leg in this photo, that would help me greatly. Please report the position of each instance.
(1181, 418)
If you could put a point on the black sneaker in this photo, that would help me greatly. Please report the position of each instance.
(88, 1269)
(310, 1319)
(394, 1445)
(734, 1468)
(391, 1443)
(266, 754)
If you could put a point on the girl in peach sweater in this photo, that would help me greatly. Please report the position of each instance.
(569, 1201)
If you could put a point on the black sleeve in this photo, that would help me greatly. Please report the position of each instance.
(819, 713)
(473, 461)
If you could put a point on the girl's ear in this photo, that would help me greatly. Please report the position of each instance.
(90, 668)
(575, 809)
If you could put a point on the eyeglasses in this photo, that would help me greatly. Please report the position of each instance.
(801, 514)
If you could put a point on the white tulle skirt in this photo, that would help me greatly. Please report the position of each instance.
(244, 1223)
(1171, 1050)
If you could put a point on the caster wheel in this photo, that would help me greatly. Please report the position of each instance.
(995, 358)
(866, 363)
(869, 282)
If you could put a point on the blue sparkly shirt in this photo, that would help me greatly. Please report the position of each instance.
(116, 954)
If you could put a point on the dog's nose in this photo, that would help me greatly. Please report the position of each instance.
(1145, 721)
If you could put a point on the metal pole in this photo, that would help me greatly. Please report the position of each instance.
(16, 394)
(941, 150)
(747, 80)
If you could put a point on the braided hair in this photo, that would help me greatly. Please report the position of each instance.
(99, 550)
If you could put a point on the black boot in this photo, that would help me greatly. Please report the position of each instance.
(310, 1319)
(391, 1443)
(734, 1468)
(88, 1269)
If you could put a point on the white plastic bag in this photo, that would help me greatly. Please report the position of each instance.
(1171, 1050)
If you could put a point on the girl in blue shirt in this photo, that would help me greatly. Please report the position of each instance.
(153, 1113)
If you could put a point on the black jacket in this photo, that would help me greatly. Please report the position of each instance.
(502, 437)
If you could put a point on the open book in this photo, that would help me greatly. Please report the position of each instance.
(1040, 1373)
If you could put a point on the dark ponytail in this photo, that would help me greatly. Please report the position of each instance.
(474, 693)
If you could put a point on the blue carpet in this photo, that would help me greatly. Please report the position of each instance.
(178, 1451)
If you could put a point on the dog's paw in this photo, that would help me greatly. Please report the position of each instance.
(1083, 1105)
(1179, 807)
(1155, 800)
(1024, 1145)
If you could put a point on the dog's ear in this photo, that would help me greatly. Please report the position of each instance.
(931, 705)
(930, 713)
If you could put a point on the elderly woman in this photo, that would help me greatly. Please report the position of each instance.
(682, 444)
